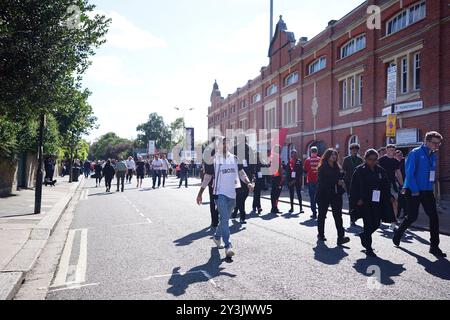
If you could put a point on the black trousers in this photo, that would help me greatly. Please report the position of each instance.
(412, 203)
(164, 176)
(213, 208)
(323, 202)
(275, 192)
(129, 175)
(98, 179)
(257, 196)
(298, 190)
(183, 177)
(108, 182)
(241, 197)
(372, 220)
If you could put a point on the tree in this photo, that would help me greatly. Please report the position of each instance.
(40, 52)
(154, 129)
(110, 146)
(177, 131)
(75, 120)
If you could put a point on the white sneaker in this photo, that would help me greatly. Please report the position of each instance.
(229, 252)
(218, 243)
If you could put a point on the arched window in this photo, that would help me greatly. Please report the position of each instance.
(353, 139)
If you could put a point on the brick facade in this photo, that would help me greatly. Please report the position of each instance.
(423, 43)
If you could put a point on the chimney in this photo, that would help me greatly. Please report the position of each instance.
(303, 40)
(331, 22)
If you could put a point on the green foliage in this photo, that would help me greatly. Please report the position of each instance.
(154, 129)
(8, 139)
(111, 146)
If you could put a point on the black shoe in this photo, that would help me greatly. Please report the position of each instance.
(243, 222)
(343, 240)
(291, 210)
(396, 239)
(302, 211)
(370, 253)
(321, 238)
(437, 252)
(313, 216)
(259, 211)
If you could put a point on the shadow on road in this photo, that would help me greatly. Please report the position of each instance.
(387, 269)
(327, 255)
(439, 268)
(235, 227)
(202, 273)
(309, 223)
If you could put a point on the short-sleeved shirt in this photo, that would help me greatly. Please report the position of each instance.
(390, 165)
(140, 167)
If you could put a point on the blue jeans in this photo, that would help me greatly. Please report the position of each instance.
(225, 205)
(312, 188)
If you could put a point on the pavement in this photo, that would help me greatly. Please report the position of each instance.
(422, 222)
(23, 235)
(150, 244)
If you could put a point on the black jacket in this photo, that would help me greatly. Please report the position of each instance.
(108, 171)
(328, 179)
(298, 169)
(363, 183)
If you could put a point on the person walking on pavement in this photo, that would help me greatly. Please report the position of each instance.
(311, 168)
(148, 169)
(349, 166)
(131, 167)
(392, 167)
(157, 166)
(108, 173)
(295, 180)
(401, 197)
(164, 169)
(98, 173)
(259, 184)
(420, 178)
(329, 192)
(208, 165)
(228, 177)
(140, 172)
(245, 157)
(87, 168)
(277, 179)
(184, 172)
(370, 198)
(121, 171)
(49, 167)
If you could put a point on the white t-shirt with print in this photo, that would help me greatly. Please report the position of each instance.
(157, 164)
(226, 179)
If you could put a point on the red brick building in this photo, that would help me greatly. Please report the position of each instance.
(332, 90)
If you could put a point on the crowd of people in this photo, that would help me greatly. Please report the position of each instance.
(158, 169)
(382, 187)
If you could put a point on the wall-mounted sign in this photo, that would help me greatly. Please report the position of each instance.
(391, 125)
(409, 106)
(392, 84)
(407, 136)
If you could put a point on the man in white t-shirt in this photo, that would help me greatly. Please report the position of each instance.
(131, 167)
(157, 165)
(164, 169)
(227, 178)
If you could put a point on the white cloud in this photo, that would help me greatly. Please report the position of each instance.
(110, 70)
(125, 34)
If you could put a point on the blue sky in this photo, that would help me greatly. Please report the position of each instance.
(165, 54)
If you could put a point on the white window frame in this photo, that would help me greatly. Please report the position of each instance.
(417, 67)
(256, 97)
(317, 65)
(404, 69)
(291, 79)
(351, 46)
(270, 116)
(360, 89)
(272, 89)
(344, 94)
(352, 91)
(409, 19)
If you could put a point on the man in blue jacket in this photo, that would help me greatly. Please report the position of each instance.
(418, 189)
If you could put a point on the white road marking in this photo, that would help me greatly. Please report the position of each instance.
(82, 259)
(129, 224)
(206, 274)
(78, 271)
(63, 268)
(72, 287)
(148, 220)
